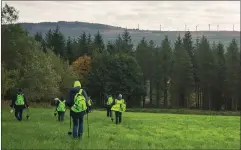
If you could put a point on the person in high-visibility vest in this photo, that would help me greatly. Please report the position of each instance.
(108, 106)
(60, 103)
(77, 101)
(89, 109)
(19, 103)
(119, 107)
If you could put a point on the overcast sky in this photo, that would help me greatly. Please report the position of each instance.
(171, 15)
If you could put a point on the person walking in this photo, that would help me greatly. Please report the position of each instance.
(77, 101)
(19, 103)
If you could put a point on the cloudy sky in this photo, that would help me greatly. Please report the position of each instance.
(171, 15)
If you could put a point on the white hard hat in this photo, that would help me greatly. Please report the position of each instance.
(120, 95)
(56, 99)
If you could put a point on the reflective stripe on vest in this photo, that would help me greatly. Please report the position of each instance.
(61, 106)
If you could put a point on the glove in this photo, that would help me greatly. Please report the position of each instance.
(55, 113)
(11, 110)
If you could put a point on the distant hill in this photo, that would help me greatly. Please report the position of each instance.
(74, 29)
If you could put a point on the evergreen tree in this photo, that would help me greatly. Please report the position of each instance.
(220, 75)
(38, 37)
(89, 45)
(98, 43)
(233, 74)
(69, 50)
(89, 40)
(142, 58)
(110, 47)
(75, 49)
(188, 46)
(182, 76)
(151, 53)
(205, 71)
(83, 47)
(49, 39)
(127, 45)
(166, 59)
(59, 42)
(198, 92)
(55, 40)
(118, 43)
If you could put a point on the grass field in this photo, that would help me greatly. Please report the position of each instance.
(138, 131)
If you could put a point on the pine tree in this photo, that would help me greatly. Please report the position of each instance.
(166, 58)
(151, 53)
(196, 76)
(127, 45)
(59, 42)
(110, 47)
(89, 45)
(182, 76)
(69, 50)
(233, 73)
(157, 74)
(142, 58)
(49, 39)
(220, 75)
(55, 40)
(206, 71)
(89, 40)
(188, 46)
(75, 48)
(38, 37)
(118, 43)
(83, 48)
(98, 43)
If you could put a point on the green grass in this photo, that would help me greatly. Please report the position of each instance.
(138, 131)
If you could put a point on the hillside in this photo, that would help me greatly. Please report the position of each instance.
(74, 29)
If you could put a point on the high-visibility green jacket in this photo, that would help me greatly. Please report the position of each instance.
(79, 102)
(119, 105)
(110, 100)
(61, 106)
(20, 99)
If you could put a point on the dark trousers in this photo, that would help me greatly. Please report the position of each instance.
(118, 117)
(78, 121)
(109, 112)
(61, 115)
(19, 112)
(89, 109)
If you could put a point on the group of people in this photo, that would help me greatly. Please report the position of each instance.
(79, 104)
(118, 106)
(61, 107)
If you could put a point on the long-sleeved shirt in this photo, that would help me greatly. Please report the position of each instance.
(15, 98)
(71, 94)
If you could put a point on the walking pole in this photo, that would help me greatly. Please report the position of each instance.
(69, 133)
(88, 125)
(27, 116)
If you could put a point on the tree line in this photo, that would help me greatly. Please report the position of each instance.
(200, 74)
